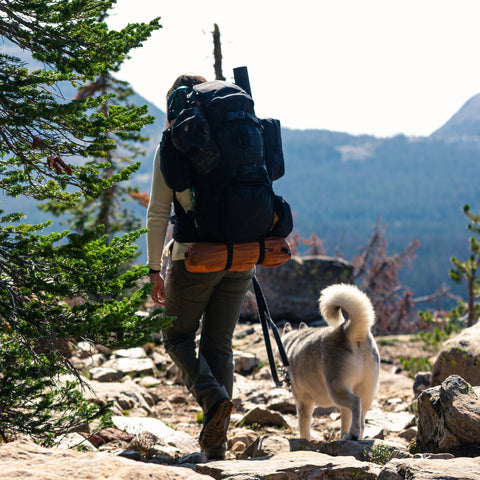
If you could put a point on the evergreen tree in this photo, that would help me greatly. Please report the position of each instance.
(110, 209)
(47, 143)
(468, 270)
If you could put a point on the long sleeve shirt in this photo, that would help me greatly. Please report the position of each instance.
(158, 216)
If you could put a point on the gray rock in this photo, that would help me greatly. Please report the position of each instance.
(263, 416)
(245, 362)
(73, 440)
(292, 466)
(240, 440)
(267, 446)
(131, 366)
(292, 289)
(180, 440)
(449, 418)
(431, 469)
(459, 356)
(104, 374)
(149, 382)
(422, 381)
(137, 352)
(361, 449)
(23, 459)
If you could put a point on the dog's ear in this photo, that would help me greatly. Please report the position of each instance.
(302, 326)
(287, 328)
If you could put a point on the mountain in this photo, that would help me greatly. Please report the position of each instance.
(464, 125)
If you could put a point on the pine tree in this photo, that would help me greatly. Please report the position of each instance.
(110, 209)
(468, 270)
(49, 150)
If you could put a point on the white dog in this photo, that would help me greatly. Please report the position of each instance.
(338, 364)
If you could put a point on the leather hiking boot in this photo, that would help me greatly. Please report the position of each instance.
(215, 424)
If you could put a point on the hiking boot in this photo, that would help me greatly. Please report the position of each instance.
(216, 453)
(215, 424)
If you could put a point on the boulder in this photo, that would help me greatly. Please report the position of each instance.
(102, 374)
(291, 466)
(292, 290)
(431, 468)
(158, 433)
(267, 446)
(135, 367)
(459, 356)
(245, 362)
(263, 416)
(449, 418)
(422, 381)
(23, 459)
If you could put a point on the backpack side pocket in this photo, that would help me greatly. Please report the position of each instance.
(176, 169)
(272, 139)
(283, 224)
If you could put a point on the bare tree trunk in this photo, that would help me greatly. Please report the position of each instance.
(217, 53)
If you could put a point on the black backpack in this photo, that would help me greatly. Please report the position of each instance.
(229, 158)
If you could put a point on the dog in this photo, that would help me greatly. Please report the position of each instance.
(336, 365)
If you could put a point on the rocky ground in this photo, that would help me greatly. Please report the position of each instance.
(156, 424)
(389, 418)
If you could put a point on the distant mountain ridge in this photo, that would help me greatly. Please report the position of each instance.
(464, 125)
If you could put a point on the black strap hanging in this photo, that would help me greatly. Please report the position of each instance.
(267, 322)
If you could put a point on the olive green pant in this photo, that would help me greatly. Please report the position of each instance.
(217, 299)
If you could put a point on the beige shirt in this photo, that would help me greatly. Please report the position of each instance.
(158, 216)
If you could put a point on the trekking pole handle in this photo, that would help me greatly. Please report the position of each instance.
(240, 74)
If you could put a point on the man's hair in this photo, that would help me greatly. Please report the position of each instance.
(186, 81)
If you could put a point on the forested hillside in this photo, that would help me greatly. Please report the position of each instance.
(339, 185)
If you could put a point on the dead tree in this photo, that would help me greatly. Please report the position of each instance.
(378, 274)
(217, 53)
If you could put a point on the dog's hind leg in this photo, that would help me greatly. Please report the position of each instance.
(351, 422)
(304, 413)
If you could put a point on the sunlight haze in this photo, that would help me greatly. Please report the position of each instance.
(380, 67)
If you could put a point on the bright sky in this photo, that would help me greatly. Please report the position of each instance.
(380, 67)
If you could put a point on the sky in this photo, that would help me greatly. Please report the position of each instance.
(377, 67)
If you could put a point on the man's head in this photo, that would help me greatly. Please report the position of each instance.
(186, 81)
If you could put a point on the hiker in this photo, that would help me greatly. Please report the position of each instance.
(214, 297)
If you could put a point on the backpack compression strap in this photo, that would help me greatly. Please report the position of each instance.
(267, 321)
(229, 255)
(261, 255)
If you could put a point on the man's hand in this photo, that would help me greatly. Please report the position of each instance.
(158, 291)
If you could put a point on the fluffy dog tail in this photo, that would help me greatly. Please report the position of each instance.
(355, 303)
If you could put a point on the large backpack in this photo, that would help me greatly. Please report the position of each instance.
(229, 158)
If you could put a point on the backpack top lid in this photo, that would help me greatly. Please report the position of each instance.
(218, 91)
(219, 88)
